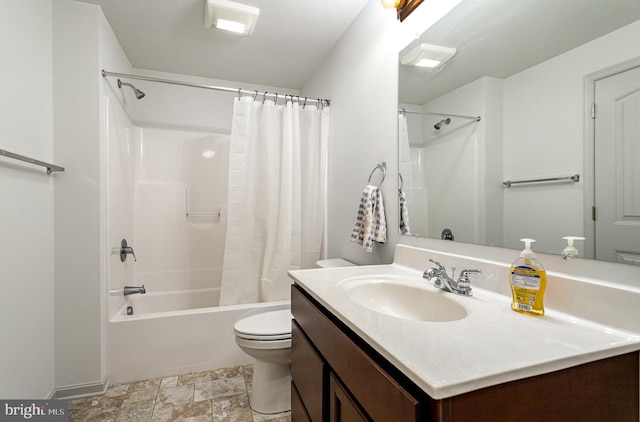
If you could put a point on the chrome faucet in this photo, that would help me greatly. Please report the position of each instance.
(441, 279)
(129, 290)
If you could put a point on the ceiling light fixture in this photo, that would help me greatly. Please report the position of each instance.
(230, 16)
(427, 55)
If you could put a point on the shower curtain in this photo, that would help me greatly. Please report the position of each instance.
(275, 217)
(404, 151)
(406, 174)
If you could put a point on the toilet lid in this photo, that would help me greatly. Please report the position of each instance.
(273, 325)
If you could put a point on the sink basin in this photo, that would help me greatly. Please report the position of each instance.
(403, 299)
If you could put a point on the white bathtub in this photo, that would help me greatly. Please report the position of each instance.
(170, 333)
(157, 303)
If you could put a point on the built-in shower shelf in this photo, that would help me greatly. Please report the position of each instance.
(203, 221)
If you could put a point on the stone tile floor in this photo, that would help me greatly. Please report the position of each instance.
(211, 396)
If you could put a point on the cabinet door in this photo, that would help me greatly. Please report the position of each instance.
(307, 372)
(342, 408)
(298, 412)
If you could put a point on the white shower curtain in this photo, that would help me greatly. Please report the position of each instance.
(405, 166)
(406, 174)
(275, 216)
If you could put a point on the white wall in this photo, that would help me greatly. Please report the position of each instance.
(360, 78)
(26, 195)
(78, 252)
(82, 42)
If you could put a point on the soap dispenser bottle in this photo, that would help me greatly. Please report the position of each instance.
(570, 251)
(528, 280)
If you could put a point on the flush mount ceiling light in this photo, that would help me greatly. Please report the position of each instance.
(427, 55)
(230, 16)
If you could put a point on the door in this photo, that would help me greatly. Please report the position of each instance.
(617, 167)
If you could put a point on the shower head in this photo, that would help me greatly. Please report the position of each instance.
(438, 125)
(139, 94)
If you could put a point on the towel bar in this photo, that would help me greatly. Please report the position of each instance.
(575, 178)
(50, 167)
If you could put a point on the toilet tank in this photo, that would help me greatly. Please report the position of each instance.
(334, 263)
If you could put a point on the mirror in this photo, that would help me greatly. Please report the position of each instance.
(514, 104)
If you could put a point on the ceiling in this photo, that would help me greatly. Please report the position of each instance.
(290, 40)
(500, 38)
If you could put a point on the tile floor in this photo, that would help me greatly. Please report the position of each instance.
(219, 395)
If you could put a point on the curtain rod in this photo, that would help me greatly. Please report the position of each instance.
(404, 111)
(240, 91)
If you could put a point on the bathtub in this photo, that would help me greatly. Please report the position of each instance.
(173, 333)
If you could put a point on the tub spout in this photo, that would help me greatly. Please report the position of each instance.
(129, 290)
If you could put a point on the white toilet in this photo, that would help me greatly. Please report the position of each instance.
(266, 337)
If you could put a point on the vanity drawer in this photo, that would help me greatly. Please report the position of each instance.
(361, 375)
(307, 372)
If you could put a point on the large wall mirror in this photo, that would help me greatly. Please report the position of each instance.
(498, 143)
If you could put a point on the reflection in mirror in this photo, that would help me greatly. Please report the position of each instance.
(531, 71)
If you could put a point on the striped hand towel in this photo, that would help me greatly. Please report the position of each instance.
(404, 212)
(371, 225)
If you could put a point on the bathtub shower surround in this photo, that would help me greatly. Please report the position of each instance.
(167, 190)
(183, 198)
(167, 197)
(180, 196)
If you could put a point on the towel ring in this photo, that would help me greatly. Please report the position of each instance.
(401, 180)
(383, 168)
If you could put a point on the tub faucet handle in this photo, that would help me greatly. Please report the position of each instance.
(125, 249)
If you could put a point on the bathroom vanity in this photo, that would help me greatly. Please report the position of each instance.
(353, 360)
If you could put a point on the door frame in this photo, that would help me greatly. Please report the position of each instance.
(589, 147)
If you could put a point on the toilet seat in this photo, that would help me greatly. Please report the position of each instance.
(266, 326)
(263, 344)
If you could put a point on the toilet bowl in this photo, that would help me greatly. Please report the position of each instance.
(266, 337)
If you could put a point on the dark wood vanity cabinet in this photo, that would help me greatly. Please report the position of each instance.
(336, 376)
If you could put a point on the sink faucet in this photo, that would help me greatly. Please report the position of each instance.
(129, 290)
(441, 279)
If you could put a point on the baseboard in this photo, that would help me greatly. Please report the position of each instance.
(81, 390)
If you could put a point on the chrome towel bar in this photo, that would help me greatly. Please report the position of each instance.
(50, 167)
(575, 178)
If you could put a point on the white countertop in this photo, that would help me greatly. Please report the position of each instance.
(491, 346)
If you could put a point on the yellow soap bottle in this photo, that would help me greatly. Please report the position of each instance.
(528, 280)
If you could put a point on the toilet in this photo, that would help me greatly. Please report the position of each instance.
(266, 337)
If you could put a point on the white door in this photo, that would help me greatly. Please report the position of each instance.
(617, 168)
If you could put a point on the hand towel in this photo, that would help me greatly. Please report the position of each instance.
(404, 212)
(371, 224)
